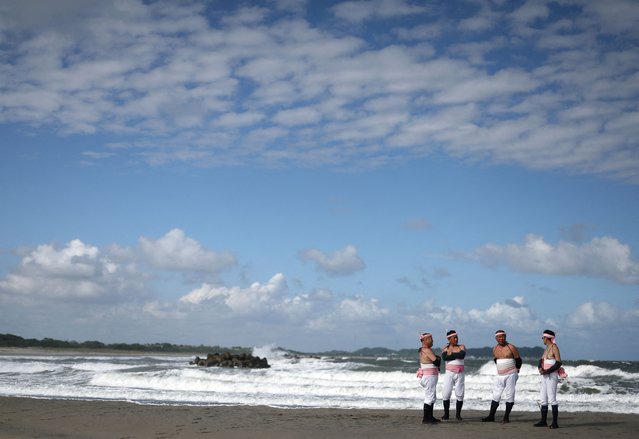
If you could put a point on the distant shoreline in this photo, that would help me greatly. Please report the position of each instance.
(82, 351)
(36, 350)
(9, 341)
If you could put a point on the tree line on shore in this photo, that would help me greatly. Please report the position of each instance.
(15, 341)
(484, 352)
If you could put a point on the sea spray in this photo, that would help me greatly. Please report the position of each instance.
(297, 381)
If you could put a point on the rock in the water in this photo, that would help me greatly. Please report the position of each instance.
(227, 359)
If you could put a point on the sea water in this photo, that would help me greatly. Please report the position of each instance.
(301, 382)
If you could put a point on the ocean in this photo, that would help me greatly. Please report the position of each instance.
(302, 382)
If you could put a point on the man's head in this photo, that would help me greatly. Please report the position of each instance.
(426, 338)
(500, 336)
(548, 336)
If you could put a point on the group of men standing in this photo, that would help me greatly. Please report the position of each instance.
(508, 362)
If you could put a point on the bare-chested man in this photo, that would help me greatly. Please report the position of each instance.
(428, 374)
(550, 370)
(508, 363)
(453, 354)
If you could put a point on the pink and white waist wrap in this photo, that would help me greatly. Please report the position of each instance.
(506, 366)
(427, 369)
(455, 366)
(547, 363)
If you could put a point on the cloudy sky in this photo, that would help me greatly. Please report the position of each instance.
(321, 174)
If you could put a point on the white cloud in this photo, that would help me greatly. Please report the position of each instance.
(246, 15)
(32, 15)
(361, 10)
(298, 116)
(512, 313)
(352, 310)
(321, 295)
(484, 20)
(103, 285)
(238, 120)
(177, 252)
(361, 309)
(344, 261)
(76, 271)
(614, 18)
(604, 257)
(257, 298)
(79, 271)
(199, 89)
(262, 301)
(601, 314)
(164, 311)
(483, 87)
(443, 126)
(527, 13)
(75, 260)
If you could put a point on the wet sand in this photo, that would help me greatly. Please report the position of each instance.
(22, 418)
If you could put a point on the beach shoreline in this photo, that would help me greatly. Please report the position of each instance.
(34, 350)
(22, 418)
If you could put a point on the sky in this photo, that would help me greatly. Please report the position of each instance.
(321, 175)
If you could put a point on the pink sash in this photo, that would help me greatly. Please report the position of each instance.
(427, 369)
(455, 366)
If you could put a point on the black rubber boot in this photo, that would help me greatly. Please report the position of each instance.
(428, 415)
(493, 410)
(543, 422)
(433, 420)
(509, 407)
(446, 410)
(458, 410)
(555, 415)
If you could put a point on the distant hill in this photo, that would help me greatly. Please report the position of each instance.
(485, 352)
(15, 341)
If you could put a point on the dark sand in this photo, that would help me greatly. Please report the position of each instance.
(39, 418)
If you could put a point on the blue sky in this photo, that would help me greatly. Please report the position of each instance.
(321, 175)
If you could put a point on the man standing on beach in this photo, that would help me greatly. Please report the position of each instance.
(550, 370)
(428, 373)
(508, 361)
(453, 354)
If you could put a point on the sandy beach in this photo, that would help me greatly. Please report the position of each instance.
(22, 418)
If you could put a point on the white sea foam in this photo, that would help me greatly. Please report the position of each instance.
(596, 371)
(27, 367)
(292, 382)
